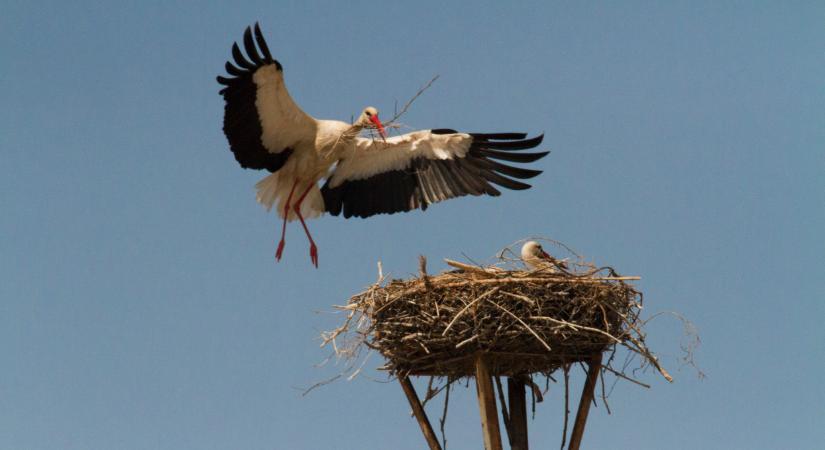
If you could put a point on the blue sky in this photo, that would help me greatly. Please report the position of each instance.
(140, 304)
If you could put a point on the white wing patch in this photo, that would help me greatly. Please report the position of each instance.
(369, 157)
(283, 123)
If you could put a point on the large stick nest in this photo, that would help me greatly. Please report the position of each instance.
(524, 321)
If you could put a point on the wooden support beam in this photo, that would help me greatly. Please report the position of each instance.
(595, 365)
(518, 413)
(487, 405)
(419, 413)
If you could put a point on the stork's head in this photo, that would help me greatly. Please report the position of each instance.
(536, 258)
(369, 119)
(532, 250)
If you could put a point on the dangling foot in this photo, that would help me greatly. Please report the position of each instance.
(313, 254)
(313, 250)
(280, 251)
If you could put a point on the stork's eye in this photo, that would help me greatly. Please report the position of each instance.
(368, 113)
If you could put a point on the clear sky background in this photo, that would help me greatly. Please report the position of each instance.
(140, 303)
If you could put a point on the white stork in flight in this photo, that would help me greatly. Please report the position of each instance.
(364, 176)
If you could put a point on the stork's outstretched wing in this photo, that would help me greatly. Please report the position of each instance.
(261, 121)
(424, 167)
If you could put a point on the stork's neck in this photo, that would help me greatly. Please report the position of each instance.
(335, 136)
(352, 131)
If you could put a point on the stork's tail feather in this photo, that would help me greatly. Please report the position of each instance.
(267, 191)
(271, 192)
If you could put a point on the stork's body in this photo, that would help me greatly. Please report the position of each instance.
(295, 186)
(364, 176)
(309, 162)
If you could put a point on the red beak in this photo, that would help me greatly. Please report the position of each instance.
(544, 254)
(377, 122)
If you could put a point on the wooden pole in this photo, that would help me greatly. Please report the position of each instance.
(419, 413)
(584, 403)
(518, 413)
(487, 405)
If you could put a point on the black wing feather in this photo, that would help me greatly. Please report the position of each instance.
(512, 157)
(232, 70)
(514, 144)
(500, 136)
(241, 122)
(240, 59)
(249, 46)
(259, 38)
(515, 172)
(428, 181)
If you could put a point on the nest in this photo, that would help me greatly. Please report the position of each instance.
(522, 321)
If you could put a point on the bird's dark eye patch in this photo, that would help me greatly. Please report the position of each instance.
(368, 113)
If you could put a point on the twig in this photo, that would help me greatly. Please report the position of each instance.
(466, 341)
(604, 397)
(520, 297)
(431, 395)
(625, 377)
(410, 102)
(471, 268)
(486, 294)
(576, 327)
(443, 418)
(536, 390)
(320, 383)
(422, 271)
(523, 324)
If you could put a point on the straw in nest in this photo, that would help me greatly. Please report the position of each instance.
(523, 321)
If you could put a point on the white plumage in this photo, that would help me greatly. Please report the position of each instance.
(364, 177)
(536, 258)
(367, 157)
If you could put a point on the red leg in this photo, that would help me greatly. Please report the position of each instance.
(313, 250)
(280, 250)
